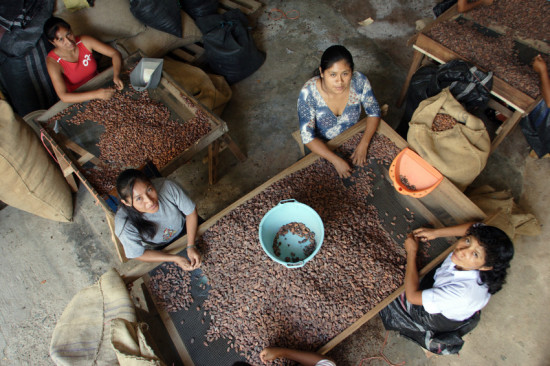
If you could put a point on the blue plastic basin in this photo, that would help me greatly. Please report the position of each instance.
(285, 212)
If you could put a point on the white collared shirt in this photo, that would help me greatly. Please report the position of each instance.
(455, 294)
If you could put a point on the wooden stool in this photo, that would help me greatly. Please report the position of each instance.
(296, 136)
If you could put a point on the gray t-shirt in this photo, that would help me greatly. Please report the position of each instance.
(170, 219)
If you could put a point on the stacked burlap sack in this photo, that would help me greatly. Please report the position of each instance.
(99, 327)
(30, 179)
(503, 213)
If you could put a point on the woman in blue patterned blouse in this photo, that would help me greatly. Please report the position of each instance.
(330, 103)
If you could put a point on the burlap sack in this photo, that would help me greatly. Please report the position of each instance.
(503, 213)
(130, 345)
(30, 180)
(211, 90)
(459, 153)
(82, 335)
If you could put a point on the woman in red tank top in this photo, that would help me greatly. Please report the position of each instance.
(71, 64)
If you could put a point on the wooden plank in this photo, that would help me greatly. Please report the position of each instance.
(213, 151)
(502, 90)
(415, 64)
(506, 127)
(189, 53)
(170, 327)
(493, 104)
(233, 147)
(184, 55)
(246, 6)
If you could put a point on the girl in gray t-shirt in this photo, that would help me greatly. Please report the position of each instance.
(151, 215)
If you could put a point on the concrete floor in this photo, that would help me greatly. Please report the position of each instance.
(44, 263)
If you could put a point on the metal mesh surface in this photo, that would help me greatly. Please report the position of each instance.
(398, 217)
(193, 324)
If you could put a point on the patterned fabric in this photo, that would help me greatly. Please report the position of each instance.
(77, 73)
(325, 363)
(316, 118)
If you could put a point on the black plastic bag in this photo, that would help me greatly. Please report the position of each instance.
(443, 6)
(164, 15)
(199, 8)
(433, 332)
(20, 41)
(536, 129)
(25, 80)
(469, 85)
(228, 45)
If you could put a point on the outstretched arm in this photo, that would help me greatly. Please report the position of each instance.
(321, 149)
(412, 281)
(56, 75)
(302, 357)
(154, 256)
(359, 156)
(425, 234)
(540, 67)
(191, 225)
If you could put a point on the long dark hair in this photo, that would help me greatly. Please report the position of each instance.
(332, 55)
(52, 25)
(125, 188)
(499, 251)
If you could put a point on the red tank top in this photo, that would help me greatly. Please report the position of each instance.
(77, 73)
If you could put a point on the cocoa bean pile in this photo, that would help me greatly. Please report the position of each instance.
(256, 302)
(526, 18)
(406, 182)
(171, 287)
(300, 230)
(137, 129)
(443, 122)
(495, 54)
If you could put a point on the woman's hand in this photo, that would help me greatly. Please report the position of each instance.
(425, 234)
(105, 93)
(183, 263)
(359, 156)
(411, 245)
(342, 167)
(539, 65)
(118, 83)
(194, 257)
(269, 354)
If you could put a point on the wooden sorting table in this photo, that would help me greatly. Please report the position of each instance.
(446, 205)
(71, 156)
(427, 48)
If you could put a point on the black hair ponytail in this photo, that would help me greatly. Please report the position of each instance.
(332, 55)
(499, 251)
(125, 187)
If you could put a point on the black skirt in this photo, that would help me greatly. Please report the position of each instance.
(434, 332)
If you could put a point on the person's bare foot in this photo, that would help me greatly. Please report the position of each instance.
(487, 2)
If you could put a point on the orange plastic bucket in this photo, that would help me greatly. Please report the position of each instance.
(413, 176)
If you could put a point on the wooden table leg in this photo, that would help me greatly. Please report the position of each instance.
(67, 170)
(233, 147)
(417, 59)
(506, 127)
(213, 152)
